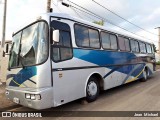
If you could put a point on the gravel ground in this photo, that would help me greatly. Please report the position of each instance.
(4, 102)
(157, 67)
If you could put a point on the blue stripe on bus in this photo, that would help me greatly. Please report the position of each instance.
(23, 75)
(102, 58)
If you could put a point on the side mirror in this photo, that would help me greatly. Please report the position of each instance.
(7, 48)
(55, 36)
(3, 54)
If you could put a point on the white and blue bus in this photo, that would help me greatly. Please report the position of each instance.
(60, 58)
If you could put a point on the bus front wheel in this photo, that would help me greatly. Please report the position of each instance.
(92, 89)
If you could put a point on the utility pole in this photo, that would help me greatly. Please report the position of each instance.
(3, 39)
(158, 39)
(4, 24)
(48, 6)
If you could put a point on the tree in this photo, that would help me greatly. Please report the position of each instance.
(154, 48)
(99, 22)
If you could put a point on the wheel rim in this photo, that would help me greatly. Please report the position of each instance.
(92, 88)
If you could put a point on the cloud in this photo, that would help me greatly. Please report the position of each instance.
(19, 12)
(144, 13)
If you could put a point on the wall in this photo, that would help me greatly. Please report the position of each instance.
(3, 65)
(157, 57)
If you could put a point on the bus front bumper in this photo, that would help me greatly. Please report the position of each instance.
(41, 98)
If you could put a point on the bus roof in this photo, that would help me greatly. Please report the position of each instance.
(73, 18)
(67, 16)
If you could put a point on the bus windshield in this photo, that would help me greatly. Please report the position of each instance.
(30, 46)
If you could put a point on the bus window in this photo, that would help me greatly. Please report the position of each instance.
(148, 48)
(94, 38)
(81, 34)
(63, 49)
(152, 48)
(127, 44)
(123, 44)
(134, 46)
(142, 47)
(106, 43)
(109, 41)
(113, 39)
(86, 37)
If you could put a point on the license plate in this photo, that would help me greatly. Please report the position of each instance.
(16, 100)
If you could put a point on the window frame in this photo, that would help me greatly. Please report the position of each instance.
(110, 41)
(144, 46)
(147, 44)
(48, 38)
(131, 39)
(61, 46)
(125, 38)
(88, 27)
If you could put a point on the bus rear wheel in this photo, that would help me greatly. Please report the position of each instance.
(145, 76)
(92, 89)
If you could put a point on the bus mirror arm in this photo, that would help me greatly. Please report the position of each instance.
(55, 36)
(6, 51)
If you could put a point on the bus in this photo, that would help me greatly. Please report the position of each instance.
(60, 58)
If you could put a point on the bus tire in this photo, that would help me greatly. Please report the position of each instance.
(145, 75)
(92, 90)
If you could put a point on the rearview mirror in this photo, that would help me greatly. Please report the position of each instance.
(6, 50)
(55, 36)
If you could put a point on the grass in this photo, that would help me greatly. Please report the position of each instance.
(158, 63)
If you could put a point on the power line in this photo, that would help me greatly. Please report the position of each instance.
(56, 6)
(87, 16)
(84, 12)
(123, 18)
(101, 18)
(76, 12)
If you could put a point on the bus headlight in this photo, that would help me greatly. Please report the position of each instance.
(33, 96)
(38, 97)
(28, 96)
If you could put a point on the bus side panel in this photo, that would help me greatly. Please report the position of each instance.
(69, 85)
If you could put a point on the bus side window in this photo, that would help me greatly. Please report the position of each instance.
(113, 39)
(134, 46)
(149, 50)
(63, 49)
(142, 47)
(109, 41)
(86, 37)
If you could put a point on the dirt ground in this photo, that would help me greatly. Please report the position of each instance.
(157, 67)
(4, 102)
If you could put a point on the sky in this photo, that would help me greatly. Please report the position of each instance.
(144, 13)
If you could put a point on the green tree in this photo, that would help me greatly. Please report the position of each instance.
(154, 48)
(99, 22)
